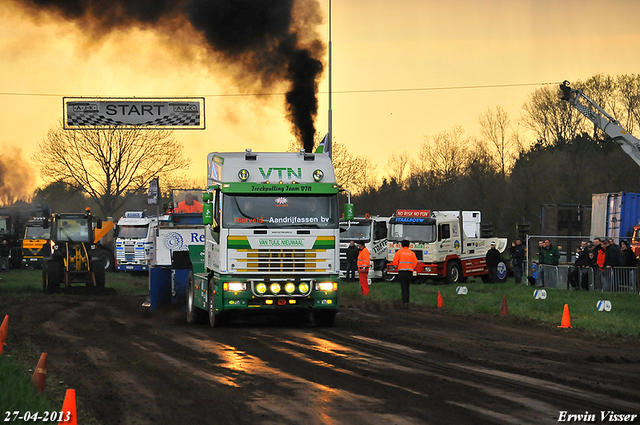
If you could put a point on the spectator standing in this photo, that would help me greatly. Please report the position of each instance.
(590, 266)
(5, 251)
(364, 262)
(627, 256)
(517, 260)
(352, 259)
(406, 261)
(550, 257)
(493, 259)
(580, 260)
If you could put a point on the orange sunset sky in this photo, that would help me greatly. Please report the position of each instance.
(401, 70)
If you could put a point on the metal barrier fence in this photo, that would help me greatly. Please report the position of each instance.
(612, 279)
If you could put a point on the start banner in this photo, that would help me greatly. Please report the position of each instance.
(123, 113)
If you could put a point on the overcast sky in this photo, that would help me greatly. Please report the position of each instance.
(401, 71)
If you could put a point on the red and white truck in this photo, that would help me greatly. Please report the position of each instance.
(447, 243)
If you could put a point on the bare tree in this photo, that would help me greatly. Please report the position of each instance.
(397, 165)
(550, 118)
(108, 165)
(445, 155)
(629, 96)
(495, 129)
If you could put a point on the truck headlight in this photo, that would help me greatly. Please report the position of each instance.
(289, 288)
(261, 288)
(326, 286)
(303, 287)
(275, 288)
(235, 286)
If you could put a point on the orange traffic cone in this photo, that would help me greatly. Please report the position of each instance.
(440, 301)
(566, 321)
(4, 329)
(505, 309)
(69, 409)
(40, 374)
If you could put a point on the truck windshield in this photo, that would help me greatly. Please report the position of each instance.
(355, 232)
(73, 230)
(132, 231)
(4, 225)
(36, 232)
(415, 233)
(269, 211)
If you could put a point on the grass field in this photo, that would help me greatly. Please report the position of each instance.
(481, 299)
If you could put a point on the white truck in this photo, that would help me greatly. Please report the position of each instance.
(372, 231)
(447, 244)
(271, 226)
(179, 245)
(135, 243)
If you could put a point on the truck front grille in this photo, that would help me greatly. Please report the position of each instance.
(281, 260)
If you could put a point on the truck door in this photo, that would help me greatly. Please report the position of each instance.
(449, 238)
(213, 249)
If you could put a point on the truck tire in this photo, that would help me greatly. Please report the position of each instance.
(324, 318)
(388, 277)
(52, 275)
(106, 257)
(193, 312)
(454, 273)
(99, 272)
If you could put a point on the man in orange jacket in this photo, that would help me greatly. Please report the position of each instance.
(364, 261)
(405, 261)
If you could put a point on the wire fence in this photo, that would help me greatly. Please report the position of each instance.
(610, 279)
(567, 276)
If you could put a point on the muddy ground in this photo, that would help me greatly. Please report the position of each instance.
(378, 364)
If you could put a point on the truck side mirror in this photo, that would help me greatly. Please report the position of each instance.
(99, 223)
(348, 212)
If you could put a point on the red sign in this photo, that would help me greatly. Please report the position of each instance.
(413, 213)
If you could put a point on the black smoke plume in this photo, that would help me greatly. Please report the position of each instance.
(262, 36)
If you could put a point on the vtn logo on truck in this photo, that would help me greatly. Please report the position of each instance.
(290, 172)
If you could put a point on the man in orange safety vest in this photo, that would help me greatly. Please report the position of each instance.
(364, 261)
(405, 261)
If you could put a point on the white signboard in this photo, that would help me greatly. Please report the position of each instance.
(172, 239)
(461, 290)
(603, 305)
(540, 294)
(149, 113)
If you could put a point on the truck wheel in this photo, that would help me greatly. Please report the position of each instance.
(106, 257)
(99, 272)
(324, 319)
(388, 277)
(52, 275)
(454, 273)
(193, 313)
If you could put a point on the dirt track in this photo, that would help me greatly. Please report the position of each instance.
(377, 365)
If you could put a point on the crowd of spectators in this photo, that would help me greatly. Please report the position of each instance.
(599, 254)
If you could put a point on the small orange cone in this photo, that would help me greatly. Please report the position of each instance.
(440, 301)
(566, 321)
(69, 409)
(505, 309)
(40, 374)
(4, 329)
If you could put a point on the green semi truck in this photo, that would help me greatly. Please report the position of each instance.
(271, 228)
